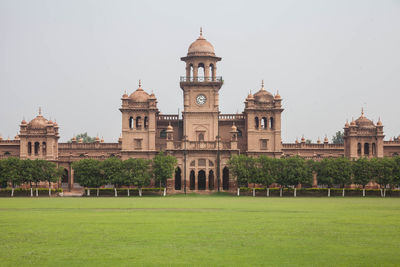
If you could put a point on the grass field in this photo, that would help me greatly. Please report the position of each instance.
(199, 230)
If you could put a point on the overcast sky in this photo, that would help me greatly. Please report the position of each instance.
(75, 59)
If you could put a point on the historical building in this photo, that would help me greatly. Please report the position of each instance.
(202, 139)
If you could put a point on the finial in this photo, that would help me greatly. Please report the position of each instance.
(140, 84)
(262, 84)
(40, 110)
(201, 31)
(362, 112)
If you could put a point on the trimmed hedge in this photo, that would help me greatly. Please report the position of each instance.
(318, 192)
(22, 192)
(123, 192)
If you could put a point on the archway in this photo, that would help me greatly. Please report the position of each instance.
(366, 149)
(201, 180)
(225, 178)
(192, 180)
(64, 179)
(211, 180)
(178, 179)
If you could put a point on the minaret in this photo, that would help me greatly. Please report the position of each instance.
(200, 91)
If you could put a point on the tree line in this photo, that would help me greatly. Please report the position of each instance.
(14, 172)
(292, 171)
(137, 172)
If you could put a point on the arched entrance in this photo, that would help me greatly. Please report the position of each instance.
(64, 178)
(201, 180)
(192, 180)
(225, 179)
(211, 180)
(178, 179)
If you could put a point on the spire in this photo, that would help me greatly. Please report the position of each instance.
(140, 84)
(262, 85)
(40, 111)
(362, 112)
(201, 31)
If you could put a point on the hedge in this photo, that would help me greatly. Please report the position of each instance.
(22, 192)
(123, 192)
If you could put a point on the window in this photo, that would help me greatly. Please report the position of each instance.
(201, 137)
(202, 162)
(131, 123)
(29, 148)
(146, 122)
(263, 144)
(272, 123)
(163, 133)
(239, 133)
(138, 122)
(44, 148)
(138, 143)
(256, 122)
(37, 146)
(264, 123)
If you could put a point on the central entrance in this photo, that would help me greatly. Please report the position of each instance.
(202, 180)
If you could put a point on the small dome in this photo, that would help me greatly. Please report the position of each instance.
(80, 140)
(170, 128)
(346, 124)
(139, 95)
(50, 122)
(38, 123)
(201, 47)
(16, 137)
(125, 95)
(277, 96)
(326, 139)
(250, 96)
(97, 139)
(379, 123)
(73, 139)
(263, 96)
(233, 128)
(303, 139)
(364, 122)
(319, 141)
(23, 122)
(102, 140)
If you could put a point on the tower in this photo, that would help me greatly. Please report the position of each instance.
(362, 138)
(139, 112)
(263, 123)
(201, 91)
(39, 139)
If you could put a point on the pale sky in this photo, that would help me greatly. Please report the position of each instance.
(76, 58)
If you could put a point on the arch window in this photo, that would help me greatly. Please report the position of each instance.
(37, 147)
(178, 179)
(163, 133)
(44, 148)
(29, 148)
(138, 122)
(256, 121)
(239, 133)
(146, 122)
(366, 149)
(64, 178)
(359, 149)
(225, 178)
(201, 180)
(264, 123)
(211, 180)
(7, 153)
(200, 72)
(201, 137)
(131, 122)
(271, 125)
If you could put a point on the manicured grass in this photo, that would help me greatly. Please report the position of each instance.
(205, 230)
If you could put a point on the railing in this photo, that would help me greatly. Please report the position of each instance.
(217, 79)
(210, 145)
(391, 143)
(62, 146)
(231, 117)
(167, 117)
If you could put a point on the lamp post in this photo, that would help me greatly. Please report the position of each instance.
(184, 164)
(218, 164)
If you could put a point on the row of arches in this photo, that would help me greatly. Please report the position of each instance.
(202, 179)
(201, 72)
(264, 123)
(137, 122)
(36, 148)
(366, 150)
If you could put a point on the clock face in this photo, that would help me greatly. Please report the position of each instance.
(201, 99)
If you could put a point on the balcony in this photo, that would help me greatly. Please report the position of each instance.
(201, 79)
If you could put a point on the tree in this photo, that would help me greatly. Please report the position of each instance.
(27, 171)
(362, 172)
(297, 172)
(325, 173)
(396, 171)
(163, 168)
(112, 170)
(342, 172)
(338, 138)
(85, 137)
(52, 174)
(244, 169)
(11, 172)
(87, 173)
(382, 171)
(267, 171)
(38, 172)
(137, 172)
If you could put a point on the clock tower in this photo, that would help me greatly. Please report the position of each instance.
(200, 91)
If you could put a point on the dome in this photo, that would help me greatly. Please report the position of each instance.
(233, 128)
(139, 95)
(277, 96)
(201, 47)
(379, 123)
(39, 122)
(363, 122)
(263, 96)
(169, 128)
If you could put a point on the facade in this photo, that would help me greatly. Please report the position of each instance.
(202, 139)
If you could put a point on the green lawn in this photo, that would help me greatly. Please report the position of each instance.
(200, 230)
